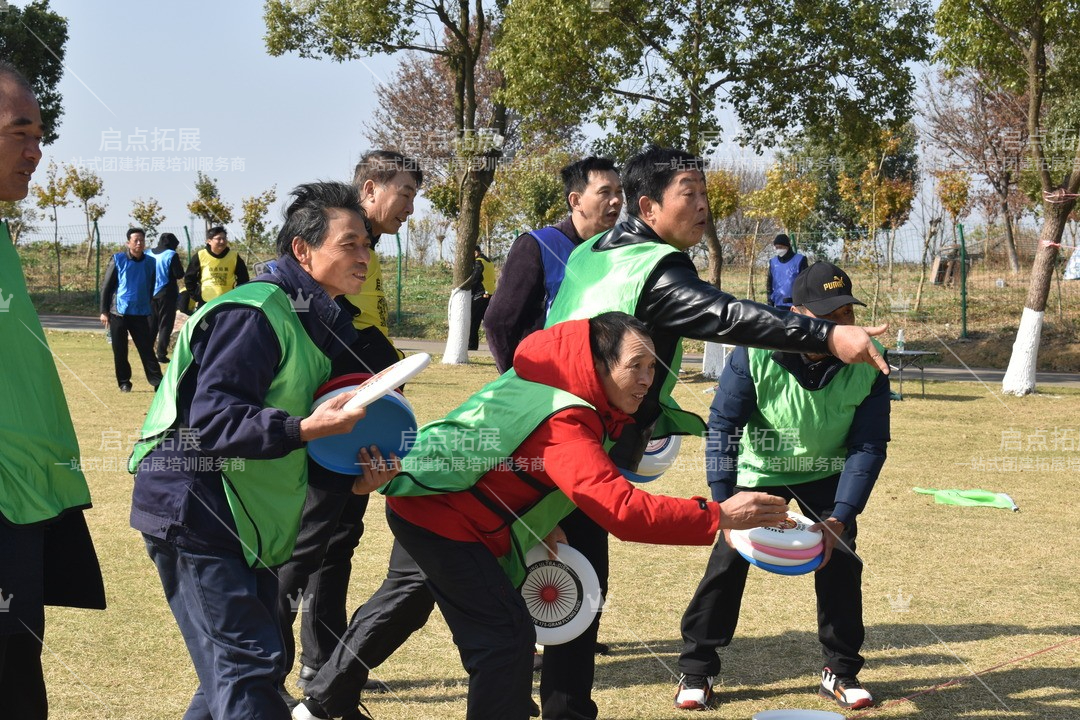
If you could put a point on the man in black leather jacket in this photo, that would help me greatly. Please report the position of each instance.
(667, 205)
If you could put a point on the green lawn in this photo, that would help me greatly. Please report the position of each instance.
(987, 589)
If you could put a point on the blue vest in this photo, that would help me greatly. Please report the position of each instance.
(135, 283)
(163, 261)
(555, 249)
(783, 276)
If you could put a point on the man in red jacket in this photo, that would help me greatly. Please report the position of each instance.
(600, 370)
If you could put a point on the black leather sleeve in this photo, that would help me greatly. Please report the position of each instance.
(678, 301)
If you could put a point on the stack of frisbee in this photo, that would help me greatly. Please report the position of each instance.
(660, 454)
(390, 425)
(791, 549)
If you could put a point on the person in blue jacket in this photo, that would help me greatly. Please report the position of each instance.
(126, 296)
(804, 427)
(783, 268)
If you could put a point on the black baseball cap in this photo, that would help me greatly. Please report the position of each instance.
(822, 288)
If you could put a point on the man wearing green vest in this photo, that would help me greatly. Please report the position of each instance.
(221, 469)
(638, 267)
(802, 426)
(46, 554)
(494, 478)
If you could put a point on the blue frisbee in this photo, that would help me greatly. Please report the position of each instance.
(785, 569)
(389, 424)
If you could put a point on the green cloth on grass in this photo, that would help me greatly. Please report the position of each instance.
(970, 498)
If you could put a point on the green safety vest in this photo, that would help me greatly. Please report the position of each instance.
(39, 452)
(265, 496)
(452, 454)
(599, 282)
(797, 435)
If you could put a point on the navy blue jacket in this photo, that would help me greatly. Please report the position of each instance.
(235, 357)
(736, 400)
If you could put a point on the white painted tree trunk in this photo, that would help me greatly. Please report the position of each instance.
(457, 319)
(715, 357)
(1020, 376)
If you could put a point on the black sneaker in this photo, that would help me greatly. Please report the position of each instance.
(306, 675)
(376, 686)
(125, 387)
(695, 692)
(845, 690)
(309, 710)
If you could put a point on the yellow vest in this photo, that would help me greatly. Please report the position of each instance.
(488, 279)
(217, 275)
(374, 310)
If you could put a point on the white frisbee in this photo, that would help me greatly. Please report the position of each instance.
(562, 595)
(793, 534)
(797, 715)
(660, 454)
(747, 550)
(388, 379)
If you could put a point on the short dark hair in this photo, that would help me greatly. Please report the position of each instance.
(132, 231)
(649, 173)
(382, 166)
(575, 176)
(606, 333)
(306, 216)
(15, 75)
(216, 230)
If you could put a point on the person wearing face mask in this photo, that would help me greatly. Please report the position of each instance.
(534, 267)
(782, 271)
(812, 429)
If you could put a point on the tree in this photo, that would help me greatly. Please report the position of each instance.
(148, 215)
(86, 186)
(1027, 46)
(208, 203)
(20, 216)
(33, 39)
(527, 193)
(664, 70)
(984, 128)
(454, 32)
(52, 196)
(253, 212)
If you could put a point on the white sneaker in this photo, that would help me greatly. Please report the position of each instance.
(846, 691)
(695, 692)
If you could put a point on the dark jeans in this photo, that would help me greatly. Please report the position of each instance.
(567, 678)
(163, 317)
(319, 572)
(380, 626)
(487, 615)
(139, 328)
(710, 620)
(226, 613)
(22, 685)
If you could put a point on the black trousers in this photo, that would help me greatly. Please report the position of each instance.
(476, 316)
(710, 620)
(22, 683)
(163, 317)
(138, 326)
(487, 616)
(318, 572)
(400, 607)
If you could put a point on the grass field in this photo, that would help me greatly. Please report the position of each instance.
(987, 591)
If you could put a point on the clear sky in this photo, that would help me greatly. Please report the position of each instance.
(200, 66)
